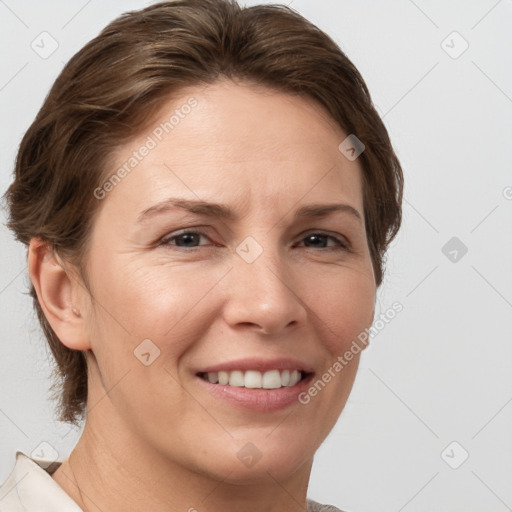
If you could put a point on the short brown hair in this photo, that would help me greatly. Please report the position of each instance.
(110, 89)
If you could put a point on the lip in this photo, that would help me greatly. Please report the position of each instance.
(259, 364)
(263, 400)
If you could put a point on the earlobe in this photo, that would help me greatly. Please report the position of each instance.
(56, 291)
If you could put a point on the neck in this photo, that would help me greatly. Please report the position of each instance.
(109, 469)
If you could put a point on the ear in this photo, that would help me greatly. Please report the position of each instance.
(57, 292)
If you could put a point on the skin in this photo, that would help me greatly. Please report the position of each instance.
(160, 440)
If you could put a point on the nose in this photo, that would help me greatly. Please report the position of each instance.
(263, 296)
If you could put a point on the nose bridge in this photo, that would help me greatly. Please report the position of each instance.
(261, 290)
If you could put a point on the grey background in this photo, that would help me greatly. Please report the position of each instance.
(441, 370)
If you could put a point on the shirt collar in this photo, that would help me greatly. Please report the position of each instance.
(32, 488)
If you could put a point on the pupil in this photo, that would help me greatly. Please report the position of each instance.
(316, 238)
(188, 238)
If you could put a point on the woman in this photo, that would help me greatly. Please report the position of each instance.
(206, 195)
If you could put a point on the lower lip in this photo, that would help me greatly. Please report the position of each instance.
(259, 399)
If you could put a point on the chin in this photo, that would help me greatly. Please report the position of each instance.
(256, 462)
(271, 469)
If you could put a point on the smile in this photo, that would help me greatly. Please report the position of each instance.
(254, 379)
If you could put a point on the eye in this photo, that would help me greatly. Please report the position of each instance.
(316, 240)
(184, 239)
(319, 241)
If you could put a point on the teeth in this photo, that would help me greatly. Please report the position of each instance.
(236, 379)
(253, 379)
(294, 378)
(271, 380)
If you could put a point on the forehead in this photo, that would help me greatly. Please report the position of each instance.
(238, 142)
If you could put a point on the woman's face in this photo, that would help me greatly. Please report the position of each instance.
(185, 292)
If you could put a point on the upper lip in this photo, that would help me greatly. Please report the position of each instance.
(258, 364)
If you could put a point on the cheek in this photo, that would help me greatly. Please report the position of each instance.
(343, 307)
(174, 305)
(170, 305)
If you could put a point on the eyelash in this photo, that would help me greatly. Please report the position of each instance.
(342, 245)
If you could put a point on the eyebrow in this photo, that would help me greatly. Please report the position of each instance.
(225, 212)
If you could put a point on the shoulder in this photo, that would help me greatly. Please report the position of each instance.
(313, 506)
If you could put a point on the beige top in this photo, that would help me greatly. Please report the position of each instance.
(30, 488)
